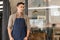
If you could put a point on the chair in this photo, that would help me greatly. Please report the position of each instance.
(56, 34)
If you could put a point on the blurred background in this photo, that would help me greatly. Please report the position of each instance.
(44, 15)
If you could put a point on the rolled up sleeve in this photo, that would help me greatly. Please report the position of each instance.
(28, 24)
(10, 22)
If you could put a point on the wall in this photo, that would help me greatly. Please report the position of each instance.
(54, 2)
(13, 5)
(54, 19)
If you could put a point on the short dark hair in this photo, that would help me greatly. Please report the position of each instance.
(19, 3)
(53, 24)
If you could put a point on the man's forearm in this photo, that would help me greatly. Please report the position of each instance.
(9, 32)
(28, 32)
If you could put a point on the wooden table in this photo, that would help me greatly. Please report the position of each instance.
(37, 36)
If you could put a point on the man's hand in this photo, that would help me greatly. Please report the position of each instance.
(11, 38)
(26, 38)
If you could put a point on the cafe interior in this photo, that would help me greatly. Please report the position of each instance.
(44, 18)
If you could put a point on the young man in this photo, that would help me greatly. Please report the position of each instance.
(18, 24)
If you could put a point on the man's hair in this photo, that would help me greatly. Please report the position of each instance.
(19, 3)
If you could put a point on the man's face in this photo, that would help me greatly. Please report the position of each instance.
(20, 8)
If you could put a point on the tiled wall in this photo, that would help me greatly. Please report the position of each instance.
(55, 19)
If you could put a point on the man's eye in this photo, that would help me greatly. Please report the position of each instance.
(22, 7)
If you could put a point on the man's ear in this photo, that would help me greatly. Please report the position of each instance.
(17, 8)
